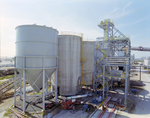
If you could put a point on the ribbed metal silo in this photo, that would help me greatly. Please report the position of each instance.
(36, 49)
(69, 63)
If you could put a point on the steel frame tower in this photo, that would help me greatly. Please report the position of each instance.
(111, 52)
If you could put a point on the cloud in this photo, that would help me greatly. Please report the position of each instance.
(140, 20)
(133, 23)
(117, 13)
(113, 11)
(127, 5)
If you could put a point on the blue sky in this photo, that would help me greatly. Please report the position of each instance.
(131, 17)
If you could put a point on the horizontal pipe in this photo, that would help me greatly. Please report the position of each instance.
(140, 48)
(38, 68)
(78, 96)
(39, 56)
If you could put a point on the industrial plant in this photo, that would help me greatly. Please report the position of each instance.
(58, 73)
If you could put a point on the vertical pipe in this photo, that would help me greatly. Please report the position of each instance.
(43, 89)
(15, 89)
(103, 81)
(126, 86)
(56, 86)
(24, 90)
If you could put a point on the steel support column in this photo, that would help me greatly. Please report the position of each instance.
(43, 89)
(20, 81)
(46, 87)
(103, 81)
(107, 87)
(129, 78)
(126, 86)
(52, 89)
(15, 88)
(24, 90)
(56, 85)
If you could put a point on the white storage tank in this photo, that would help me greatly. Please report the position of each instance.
(69, 63)
(36, 49)
(88, 56)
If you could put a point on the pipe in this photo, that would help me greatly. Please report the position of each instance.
(78, 96)
(140, 48)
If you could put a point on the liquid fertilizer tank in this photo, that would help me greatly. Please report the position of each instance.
(69, 48)
(36, 49)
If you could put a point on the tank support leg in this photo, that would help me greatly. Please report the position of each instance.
(52, 79)
(15, 89)
(43, 89)
(20, 81)
(24, 91)
(56, 85)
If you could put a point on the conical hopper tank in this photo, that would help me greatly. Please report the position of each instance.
(36, 49)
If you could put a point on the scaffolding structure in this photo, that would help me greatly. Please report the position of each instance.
(111, 58)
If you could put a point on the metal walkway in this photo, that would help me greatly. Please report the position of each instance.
(110, 108)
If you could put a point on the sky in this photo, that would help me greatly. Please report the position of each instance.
(131, 17)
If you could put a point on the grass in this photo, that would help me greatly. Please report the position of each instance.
(8, 112)
(6, 77)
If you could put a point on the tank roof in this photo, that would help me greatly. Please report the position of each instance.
(34, 25)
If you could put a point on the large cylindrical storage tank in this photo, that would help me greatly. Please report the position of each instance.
(36, 49)
(69, 63)
(88, 56)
